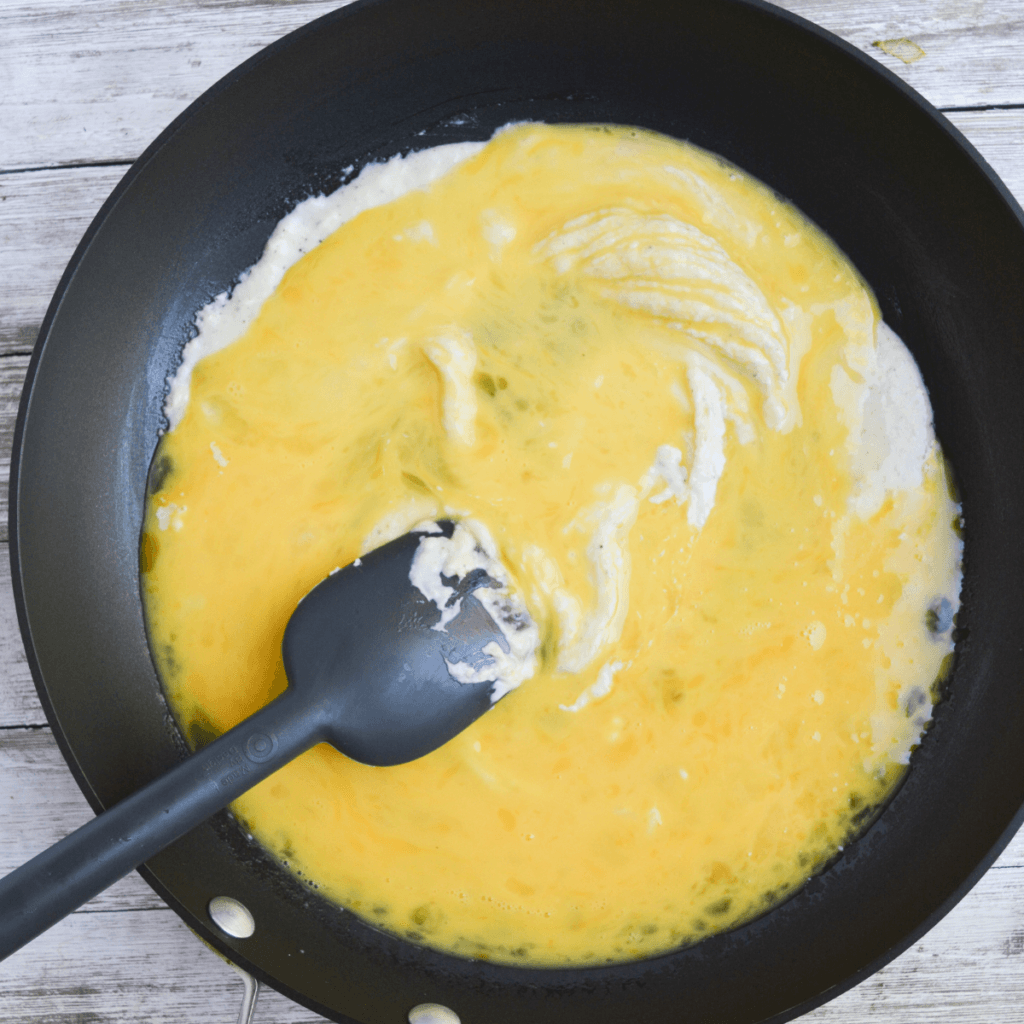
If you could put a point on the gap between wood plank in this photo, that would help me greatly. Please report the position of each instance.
(69, 164)
(980, 108)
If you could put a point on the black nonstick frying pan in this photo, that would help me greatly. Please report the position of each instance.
(935, 234)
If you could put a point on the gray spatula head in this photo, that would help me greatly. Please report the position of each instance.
(363, 645)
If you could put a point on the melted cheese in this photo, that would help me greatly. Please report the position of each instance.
(670, 406)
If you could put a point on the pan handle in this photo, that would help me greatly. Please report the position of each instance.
(59, 880)
(249, 996)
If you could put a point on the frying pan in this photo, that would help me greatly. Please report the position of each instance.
(933, 231)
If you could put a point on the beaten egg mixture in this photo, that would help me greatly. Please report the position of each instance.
(708, 468)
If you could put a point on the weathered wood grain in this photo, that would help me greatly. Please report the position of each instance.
(972, 48)
(19, 705)
(969, 969)
(998, 135)
(122, 968)
(12, 378)
(43, 215)
(99, 79)
(41, 803)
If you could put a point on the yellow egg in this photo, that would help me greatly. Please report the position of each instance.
(671, 401)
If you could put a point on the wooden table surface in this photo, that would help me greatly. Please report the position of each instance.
(84, 87)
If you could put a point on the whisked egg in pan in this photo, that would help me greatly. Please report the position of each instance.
(668, 404)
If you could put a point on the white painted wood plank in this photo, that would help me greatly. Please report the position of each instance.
(969, 969)
(122, 957)
(998, 135)
(40, 803)
(123, 968)
(973, 50)
(99, 79)
(43, 215)
(19, 705)
(12, 379)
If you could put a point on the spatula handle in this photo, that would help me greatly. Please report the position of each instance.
(62, 878)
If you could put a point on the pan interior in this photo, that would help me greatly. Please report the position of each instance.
(940, 243)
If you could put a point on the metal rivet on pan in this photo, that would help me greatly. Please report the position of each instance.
(231, 917)
(433, 1013)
